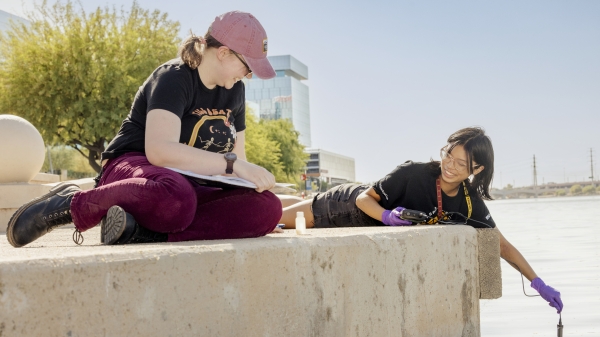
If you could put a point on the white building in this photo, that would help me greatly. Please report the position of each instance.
(331, 167)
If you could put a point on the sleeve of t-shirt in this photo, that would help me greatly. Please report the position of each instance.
(168, 89)
(240, 112)
(393, 185)
(481, 217)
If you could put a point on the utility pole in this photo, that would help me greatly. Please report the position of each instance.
(535, 185)
(592, 166)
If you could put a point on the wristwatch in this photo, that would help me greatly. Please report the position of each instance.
(230, 157)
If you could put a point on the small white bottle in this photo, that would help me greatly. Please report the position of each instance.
(300, 223)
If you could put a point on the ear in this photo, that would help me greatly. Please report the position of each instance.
(478, 170)
(223, 52)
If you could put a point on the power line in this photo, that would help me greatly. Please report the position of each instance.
(535, 184)
(592, 167)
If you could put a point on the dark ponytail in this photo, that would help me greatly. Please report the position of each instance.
(193, 47)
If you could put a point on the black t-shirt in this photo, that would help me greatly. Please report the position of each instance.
(210, 118)
(412, 186)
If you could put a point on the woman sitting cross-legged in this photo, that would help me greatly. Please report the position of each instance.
(188, 115)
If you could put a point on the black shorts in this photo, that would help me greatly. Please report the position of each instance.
(337, 208)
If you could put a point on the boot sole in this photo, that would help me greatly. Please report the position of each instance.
(113, 225)
(13, 219)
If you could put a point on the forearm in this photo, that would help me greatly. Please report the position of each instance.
(370, 206)
(183, 157)
(163, 149)
(512, 255)
(162, 146)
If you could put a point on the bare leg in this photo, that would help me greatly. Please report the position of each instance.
(289, 214)
(288, 200)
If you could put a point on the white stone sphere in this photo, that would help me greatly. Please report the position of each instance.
(21, 150)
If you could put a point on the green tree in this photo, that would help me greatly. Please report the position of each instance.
(575, 189)
(74, 75)
(589, 189)
(261, 150)
(598, 189)
(560, 193)
(62, 159)
(324, 185)
(274, 145)
(67, 158)
(293, 158)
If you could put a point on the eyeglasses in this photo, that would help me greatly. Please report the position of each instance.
(249, 74)
(458, 164)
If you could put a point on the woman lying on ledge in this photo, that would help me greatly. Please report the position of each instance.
(449, 191)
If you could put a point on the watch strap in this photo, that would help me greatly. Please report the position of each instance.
(230, 158)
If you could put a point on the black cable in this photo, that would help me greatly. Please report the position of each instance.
(483, 223)
(559, 326)
(522, 280)
(443, 222)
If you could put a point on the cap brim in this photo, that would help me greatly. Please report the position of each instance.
(260, 67)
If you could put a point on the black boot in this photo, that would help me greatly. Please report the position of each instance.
(41, 215)
(119, 227)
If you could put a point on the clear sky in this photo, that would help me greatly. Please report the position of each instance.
(390, 80)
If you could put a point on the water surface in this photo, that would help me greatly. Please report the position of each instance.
(559, 237)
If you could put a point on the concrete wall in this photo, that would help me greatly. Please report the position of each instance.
(45, 178)
(415, 281)
(490, 274)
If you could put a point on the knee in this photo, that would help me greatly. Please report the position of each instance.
(177, 197)
(273, 203)
(268, 212)
(271, 206)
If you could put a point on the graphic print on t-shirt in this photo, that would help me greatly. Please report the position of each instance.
(213, 131)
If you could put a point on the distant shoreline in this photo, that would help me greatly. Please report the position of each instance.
(548, 196)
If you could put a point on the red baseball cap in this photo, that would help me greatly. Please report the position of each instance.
(242, 33)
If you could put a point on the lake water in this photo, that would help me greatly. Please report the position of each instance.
(559, 237)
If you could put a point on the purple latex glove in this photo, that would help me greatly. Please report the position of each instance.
(548, 293)
(392, 218)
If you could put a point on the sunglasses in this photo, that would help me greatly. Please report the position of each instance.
(249, 74)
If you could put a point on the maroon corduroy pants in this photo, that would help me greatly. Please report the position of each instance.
(164, 201)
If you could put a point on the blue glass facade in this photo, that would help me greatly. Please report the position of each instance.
(284, 96)
(6, 18)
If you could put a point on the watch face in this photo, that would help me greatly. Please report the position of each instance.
(230, 156)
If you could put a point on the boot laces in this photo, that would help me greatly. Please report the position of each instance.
(58, 218)
(77, 237)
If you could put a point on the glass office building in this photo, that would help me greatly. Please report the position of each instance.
(284, 96)
(6, 18)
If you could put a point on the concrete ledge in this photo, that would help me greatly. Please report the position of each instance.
(45, 178)
(415, 281)
(490, 273)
